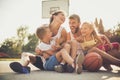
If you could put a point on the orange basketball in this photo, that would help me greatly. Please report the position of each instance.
(92, 62)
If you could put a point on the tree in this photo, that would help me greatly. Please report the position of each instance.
(22, 33)
(96, 23)
(99, 26)
(13, 46)
(31, 45)
(115, 34)
(9, 46)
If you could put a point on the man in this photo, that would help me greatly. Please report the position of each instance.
(74, 23)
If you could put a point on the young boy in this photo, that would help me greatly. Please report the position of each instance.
(52, 54)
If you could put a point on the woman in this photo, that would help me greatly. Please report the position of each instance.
(60, 34)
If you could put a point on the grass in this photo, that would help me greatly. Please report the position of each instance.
(9, 59)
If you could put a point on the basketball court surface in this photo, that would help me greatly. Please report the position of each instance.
(7, 74)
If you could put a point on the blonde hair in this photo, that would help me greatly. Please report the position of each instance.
(41, 31)
(91, 26)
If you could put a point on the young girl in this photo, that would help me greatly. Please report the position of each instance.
(90, 38)
(91, 41)
(52, 54)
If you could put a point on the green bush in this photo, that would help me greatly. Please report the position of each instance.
(115, 34)
(16, 45)
(10, 47)
(31, 45)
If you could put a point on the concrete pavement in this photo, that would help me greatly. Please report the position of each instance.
(7, 74)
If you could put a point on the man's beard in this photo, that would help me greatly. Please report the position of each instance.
(76, 30)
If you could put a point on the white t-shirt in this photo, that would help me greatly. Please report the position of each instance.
(43, 46)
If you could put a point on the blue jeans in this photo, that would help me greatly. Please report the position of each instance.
(50, 63)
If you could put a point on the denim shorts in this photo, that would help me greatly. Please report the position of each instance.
(50, 63)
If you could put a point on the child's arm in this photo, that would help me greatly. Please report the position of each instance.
(38, 51)
(99, 41)
(46, 54)
(108, 41)
(49, 52)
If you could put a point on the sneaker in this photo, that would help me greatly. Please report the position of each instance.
(108, 67)
(79, 61)
(60, 68)
(17, 67)
(70, 69)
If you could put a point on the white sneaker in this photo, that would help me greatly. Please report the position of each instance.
(79, 61)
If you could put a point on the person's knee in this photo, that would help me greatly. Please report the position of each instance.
(67, 46)
(74, 41)
(24, 54)
(62, 51)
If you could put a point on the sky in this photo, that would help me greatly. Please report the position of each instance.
(107, 10)
(16, 13)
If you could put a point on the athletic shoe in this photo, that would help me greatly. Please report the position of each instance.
(107, 67)
(60, 68)
(79, 61)
(17, 67)
(70, 69)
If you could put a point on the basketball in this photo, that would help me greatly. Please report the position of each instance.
(92, 62)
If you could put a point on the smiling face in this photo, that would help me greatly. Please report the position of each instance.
(86, 29)
(48, 34)
(60, 17)
(74, 23)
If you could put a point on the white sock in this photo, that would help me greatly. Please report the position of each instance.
(25, 60)
(62, 63)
